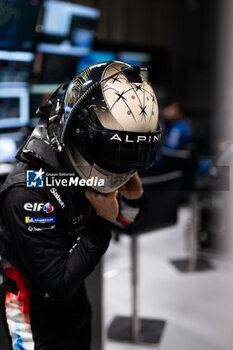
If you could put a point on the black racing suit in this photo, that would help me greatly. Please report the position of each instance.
(51, 241)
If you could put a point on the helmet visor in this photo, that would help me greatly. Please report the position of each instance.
(121, 151)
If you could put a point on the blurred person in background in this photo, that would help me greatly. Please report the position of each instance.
(176, 150)
(178, 134)
(53, 237)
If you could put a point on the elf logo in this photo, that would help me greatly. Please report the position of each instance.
(48, 208)
(45, 207)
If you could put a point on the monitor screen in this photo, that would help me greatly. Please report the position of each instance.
(9, 143)
(69, 28)
(14, 107)
(53, 68)
(18, 22)
(94, 57)
(15, 66)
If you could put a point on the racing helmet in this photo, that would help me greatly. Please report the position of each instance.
(109, 127)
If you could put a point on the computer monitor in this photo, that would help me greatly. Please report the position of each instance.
(14, 106)
(18, 22)
(9, 143)
(52, 68)
(69, 29)
(135, 58)
(15, 66)
(94, 57)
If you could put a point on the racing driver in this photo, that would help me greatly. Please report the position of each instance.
(103, 124)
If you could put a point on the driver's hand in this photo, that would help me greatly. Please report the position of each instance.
(105, 206)
(132, 189)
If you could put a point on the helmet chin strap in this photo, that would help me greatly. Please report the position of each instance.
(86, 171)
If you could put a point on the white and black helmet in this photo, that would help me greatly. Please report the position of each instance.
(109, 125)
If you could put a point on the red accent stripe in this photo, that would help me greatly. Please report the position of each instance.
(123, 221)
(23, 295)
(9, 297)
